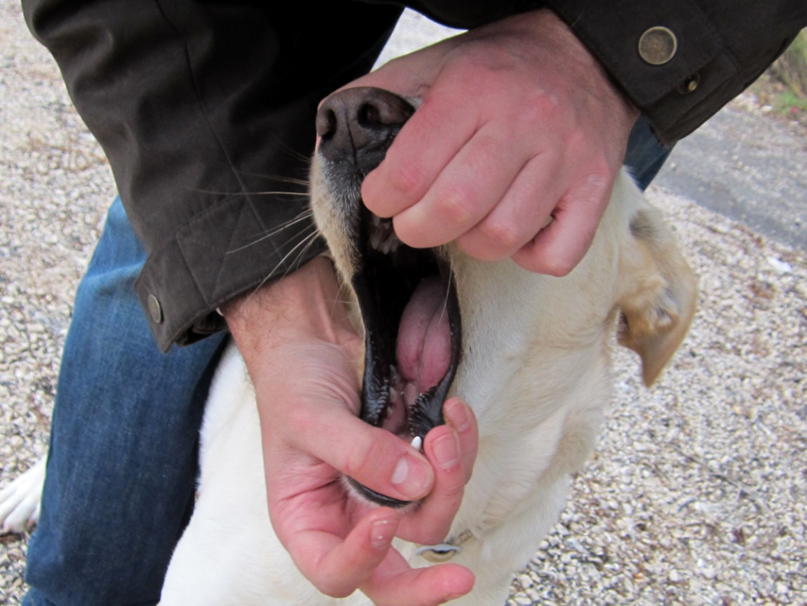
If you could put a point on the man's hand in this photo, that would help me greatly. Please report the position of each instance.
(514, 150)
(303, 358)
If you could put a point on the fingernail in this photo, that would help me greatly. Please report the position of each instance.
(411, 477)
(401, 471)
(458, 414)
(446, 450)
(381, 534)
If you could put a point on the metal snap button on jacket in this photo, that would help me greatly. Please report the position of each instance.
(155, 309)
(690, 85)
(657, 45)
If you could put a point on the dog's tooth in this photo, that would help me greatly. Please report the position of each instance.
(410, 393)
(390, 242)
(417, 442)
(382, 238)
(375, 239)
(393, 394)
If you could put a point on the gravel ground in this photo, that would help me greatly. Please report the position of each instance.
(698, 491)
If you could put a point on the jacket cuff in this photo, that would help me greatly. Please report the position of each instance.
(182, 309)
(667, 58)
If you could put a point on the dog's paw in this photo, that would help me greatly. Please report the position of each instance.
(19, 501)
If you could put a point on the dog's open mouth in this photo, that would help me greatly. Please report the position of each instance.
(407, 296)
(409, 307)
(411, 317)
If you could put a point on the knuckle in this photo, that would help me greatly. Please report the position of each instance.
(579, 142)
(472, 68)
(476, 246)
(335, 589)
(362, 457)
(541, 107)
(452, 485)
(557, 266)
(503, 236)
(356, 459)
(406, 177)
(433, 524)
(456, 208)
(596, 161)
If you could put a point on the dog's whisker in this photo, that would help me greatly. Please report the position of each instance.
(291, 151)
(448, 292)
(311, 241)
(299, 194)
(337, 301)
(305, 243)
(234, 194)
(303, 216)
(278, 178)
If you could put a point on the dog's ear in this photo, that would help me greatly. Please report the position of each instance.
(658, 292)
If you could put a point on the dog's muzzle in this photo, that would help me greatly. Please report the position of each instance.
(407, 296)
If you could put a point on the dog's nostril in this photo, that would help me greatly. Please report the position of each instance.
(355, 119)
(369, 116)
(326, 123)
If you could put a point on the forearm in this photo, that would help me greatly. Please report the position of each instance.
(303, 306)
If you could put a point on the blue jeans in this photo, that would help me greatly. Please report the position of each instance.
(645, 155)
(123, 453)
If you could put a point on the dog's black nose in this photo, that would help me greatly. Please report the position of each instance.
(359, 124)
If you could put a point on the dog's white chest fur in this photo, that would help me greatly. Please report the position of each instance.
(535, 370)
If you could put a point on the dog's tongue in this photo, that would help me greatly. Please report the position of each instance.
(424, 336)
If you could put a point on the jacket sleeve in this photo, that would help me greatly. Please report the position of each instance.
(680, 62)
(206, 113)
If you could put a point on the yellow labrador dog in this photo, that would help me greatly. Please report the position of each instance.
(528, 352)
